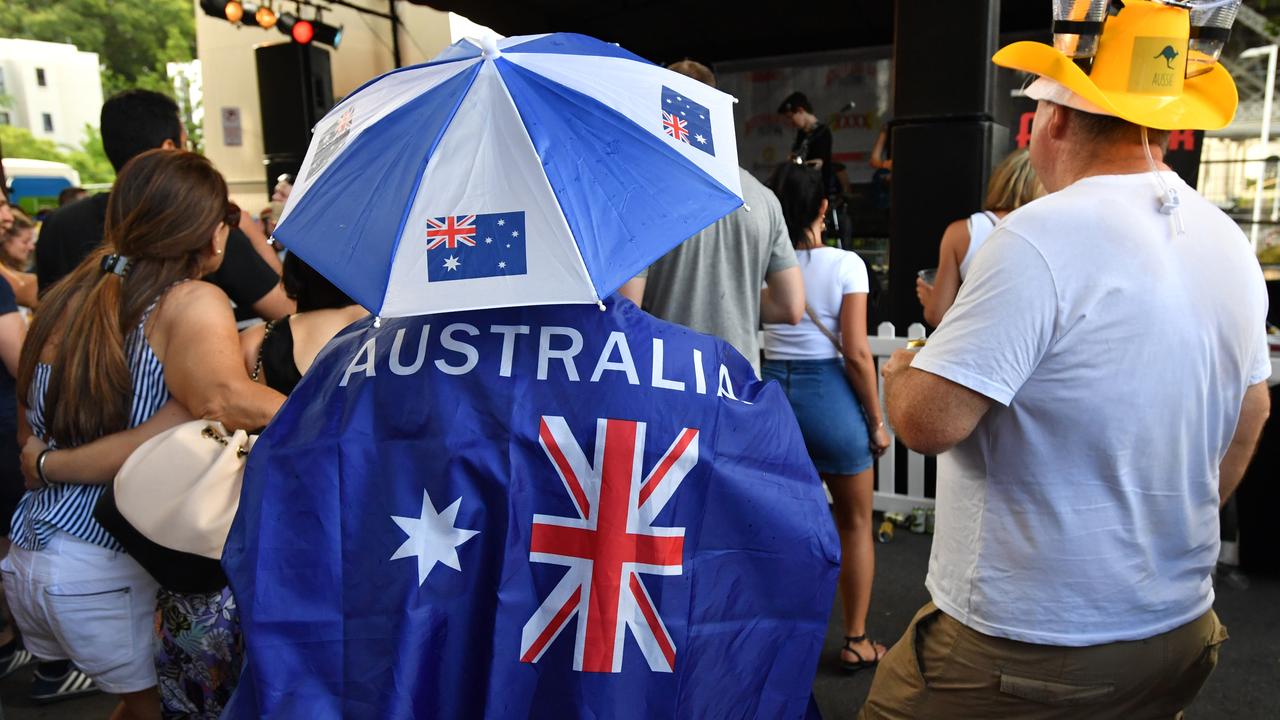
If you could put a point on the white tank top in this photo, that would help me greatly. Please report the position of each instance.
(980, 226)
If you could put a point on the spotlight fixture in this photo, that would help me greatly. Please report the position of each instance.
(265, 17)
(303, 31)
(233, 11)
(328, 34)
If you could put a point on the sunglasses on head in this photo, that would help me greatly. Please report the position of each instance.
(231, 218)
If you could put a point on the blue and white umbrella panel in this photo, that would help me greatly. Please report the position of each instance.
(542, 169)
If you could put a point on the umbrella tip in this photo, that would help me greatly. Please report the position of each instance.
(489, 47)
(377, 321)
(600, 304)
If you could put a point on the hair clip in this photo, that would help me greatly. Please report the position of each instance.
(113, 263)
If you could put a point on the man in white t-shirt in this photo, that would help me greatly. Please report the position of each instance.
(1100, 382)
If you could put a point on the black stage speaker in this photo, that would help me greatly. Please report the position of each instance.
(944, 135)
(942, 58)
(295, 90)
(940, 172)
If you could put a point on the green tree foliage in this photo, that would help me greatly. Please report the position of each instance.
(133, 40)
(90, 160)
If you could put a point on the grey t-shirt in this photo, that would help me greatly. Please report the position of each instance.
(711, 282)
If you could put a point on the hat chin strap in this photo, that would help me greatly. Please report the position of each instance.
(1169, 200)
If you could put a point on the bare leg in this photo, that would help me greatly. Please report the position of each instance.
(141, 705)
(852, 495)
(7, 633)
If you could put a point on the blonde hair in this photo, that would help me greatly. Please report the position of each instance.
(1013, 183)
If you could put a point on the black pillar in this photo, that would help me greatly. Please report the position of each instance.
(944, 136)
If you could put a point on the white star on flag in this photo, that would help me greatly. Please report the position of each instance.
(432, 537)
(488, 241)
(515, 233)
(501, 222)
(700, 139)
(452, 263)
(502, 264)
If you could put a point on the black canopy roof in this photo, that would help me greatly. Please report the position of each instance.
(667, 30)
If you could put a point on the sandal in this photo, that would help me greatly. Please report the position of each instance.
(862, 663)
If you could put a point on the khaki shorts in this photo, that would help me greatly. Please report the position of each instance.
(942, 669)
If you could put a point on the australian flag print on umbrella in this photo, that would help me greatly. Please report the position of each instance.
(475, 246)
(605, 161)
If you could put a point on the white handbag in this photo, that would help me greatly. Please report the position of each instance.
(181, 488)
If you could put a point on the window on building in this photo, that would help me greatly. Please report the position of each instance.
(40, 77)
(4, 118)
(48, 122)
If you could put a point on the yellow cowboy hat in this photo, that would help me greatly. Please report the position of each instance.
(1139, 71)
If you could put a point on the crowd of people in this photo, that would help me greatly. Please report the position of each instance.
(134, 331)
(137, 294)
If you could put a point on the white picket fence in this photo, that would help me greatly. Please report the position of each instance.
(887, 499)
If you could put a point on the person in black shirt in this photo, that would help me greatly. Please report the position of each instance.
(812, 145)
(133, 122)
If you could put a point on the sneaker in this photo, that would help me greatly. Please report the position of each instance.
(71, 684)
(14, 662)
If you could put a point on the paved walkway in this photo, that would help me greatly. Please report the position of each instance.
(1246, 685)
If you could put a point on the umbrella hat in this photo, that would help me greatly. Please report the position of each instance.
(521, 171)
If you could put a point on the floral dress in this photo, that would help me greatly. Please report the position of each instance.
(199, 652)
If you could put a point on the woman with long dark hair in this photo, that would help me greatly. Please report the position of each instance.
(825, 365)
(130, 335)
(277, 354)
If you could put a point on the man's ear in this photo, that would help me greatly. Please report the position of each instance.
(1058, 121)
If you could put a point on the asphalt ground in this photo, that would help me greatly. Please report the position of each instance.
(1245, 686)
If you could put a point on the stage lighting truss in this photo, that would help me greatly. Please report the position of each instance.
(302, 30)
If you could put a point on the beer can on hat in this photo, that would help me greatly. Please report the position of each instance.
(917, 520)
(885, 534)
(929, 519)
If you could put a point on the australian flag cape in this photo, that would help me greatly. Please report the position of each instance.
(544, 512)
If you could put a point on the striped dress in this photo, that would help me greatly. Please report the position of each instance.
(69, 508)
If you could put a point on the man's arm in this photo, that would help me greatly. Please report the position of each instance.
(782, 299)
(929, 413)
(259, 240)
(274, 305)
(633, 290)
(1254, 410)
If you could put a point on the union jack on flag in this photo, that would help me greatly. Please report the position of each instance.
(608, 544)
(451, 231)
(675, 127)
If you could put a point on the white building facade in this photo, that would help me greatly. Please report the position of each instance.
(51, 89)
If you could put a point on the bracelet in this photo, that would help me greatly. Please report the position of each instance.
(40, 466)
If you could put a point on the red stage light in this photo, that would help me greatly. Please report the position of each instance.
(303, 32)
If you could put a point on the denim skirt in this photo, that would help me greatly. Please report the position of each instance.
(831, 420)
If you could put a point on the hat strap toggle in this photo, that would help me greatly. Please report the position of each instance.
(1169, 200)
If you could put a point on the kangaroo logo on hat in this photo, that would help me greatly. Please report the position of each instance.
(1169, 55)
